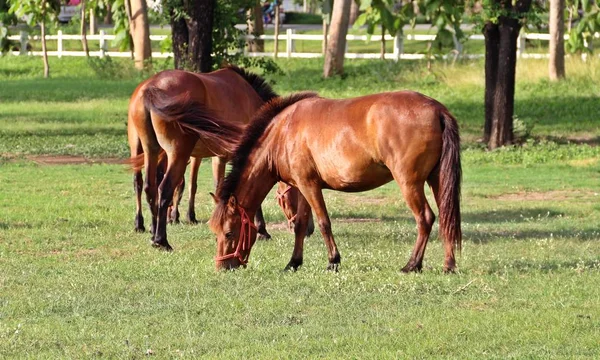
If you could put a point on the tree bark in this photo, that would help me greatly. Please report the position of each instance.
(276, 48)
(382, 49)
(556, 66)
(256, 28)
(500, 68)
(504, 91)
(83, 30)
(179, 33)
(108, 17)
(93, 22)
(44, 48)
(492, 42)
(354, 11)
(140, 33)
(200, 25)
(336, 46)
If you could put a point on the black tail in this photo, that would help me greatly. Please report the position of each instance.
(221, 137)
(450, 181)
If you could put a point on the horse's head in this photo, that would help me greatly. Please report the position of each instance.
(236, 233)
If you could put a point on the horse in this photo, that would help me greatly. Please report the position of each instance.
(350, 145)
(185, 114)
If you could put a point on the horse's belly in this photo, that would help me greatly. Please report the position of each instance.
(356, 179)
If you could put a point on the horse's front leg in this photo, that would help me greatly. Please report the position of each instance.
(314, 197)
(301, 227)
(261, 225)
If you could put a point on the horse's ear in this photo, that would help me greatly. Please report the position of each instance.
(232, 203)
(214, 198)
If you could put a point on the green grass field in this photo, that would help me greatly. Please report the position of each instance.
(78, 282)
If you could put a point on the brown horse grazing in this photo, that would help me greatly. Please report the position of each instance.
(187, 115)
(348, 145)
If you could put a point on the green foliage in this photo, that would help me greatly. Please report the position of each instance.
(584, 21)
(34, 12)
(226, 37)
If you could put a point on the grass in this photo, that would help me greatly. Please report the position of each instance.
(78, 282)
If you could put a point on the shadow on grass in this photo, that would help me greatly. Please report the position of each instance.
(510, 216)
(521, 265)
(65, 89)
(487, 236)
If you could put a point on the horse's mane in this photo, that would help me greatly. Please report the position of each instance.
(253, 131)
(260, 85)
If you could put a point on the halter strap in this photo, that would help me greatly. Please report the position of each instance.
(244, 240)
(279, 196)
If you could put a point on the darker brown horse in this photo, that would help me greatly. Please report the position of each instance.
(347, 145)
(187, 115)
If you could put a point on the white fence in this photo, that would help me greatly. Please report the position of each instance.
(289, 37)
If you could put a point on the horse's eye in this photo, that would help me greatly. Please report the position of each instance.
(229, 235)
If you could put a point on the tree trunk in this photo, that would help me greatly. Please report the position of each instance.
(93, 22)
(256, 28)
(44, 48)
(504, 91)
(179, 34)
(108, 17)
(556, 66)
(276, 48)
(354, 10)
(492, 42)
(382, 50)
(200, 25)
(500, 68)
(83, 29)
(140, 33)
(336, 46)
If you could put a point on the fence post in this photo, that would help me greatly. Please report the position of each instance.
(59, 47)
(24, 39)
(289, 42)
(102, 44)
(521, 44)
(398, 46)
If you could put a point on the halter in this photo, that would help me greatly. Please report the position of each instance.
(279, 196)
(243, 241)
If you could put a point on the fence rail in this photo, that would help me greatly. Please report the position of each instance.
(289, 37)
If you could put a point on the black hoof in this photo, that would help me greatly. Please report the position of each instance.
(333, 267)
(162, 246)
(139, 224)
(293, 265)
(263, 235)
(140, 229)
(449, 270)
(411, 268)
(191, 217)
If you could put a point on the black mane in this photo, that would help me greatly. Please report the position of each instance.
(260, 85)
(253, 131)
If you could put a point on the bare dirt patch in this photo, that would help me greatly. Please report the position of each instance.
(71, 160)
(555, 195)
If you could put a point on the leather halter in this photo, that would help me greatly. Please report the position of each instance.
(244, 240)
(279, 196)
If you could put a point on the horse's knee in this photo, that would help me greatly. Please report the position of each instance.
(324, 226)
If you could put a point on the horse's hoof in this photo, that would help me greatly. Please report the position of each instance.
(411, 268)
(162, 246)
(191, 218)
(140, 229)
(293, 265)
(263, 235)
(333, 267)
(449, 270)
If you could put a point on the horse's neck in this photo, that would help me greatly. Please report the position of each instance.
(256, 181)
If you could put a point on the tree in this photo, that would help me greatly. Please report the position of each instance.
(83, 29)
(38, 12)
(137, 14)
(557, 43)
(336, 46)
(256, 28)
(503, 22)
(192, 31)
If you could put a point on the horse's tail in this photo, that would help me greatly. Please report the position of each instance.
(137, 162)
(450, 180)
(219, 136)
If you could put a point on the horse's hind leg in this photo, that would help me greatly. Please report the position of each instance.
(173, 212)
(314, 197)
(414, 195)
(195, 166)
(175, 171)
